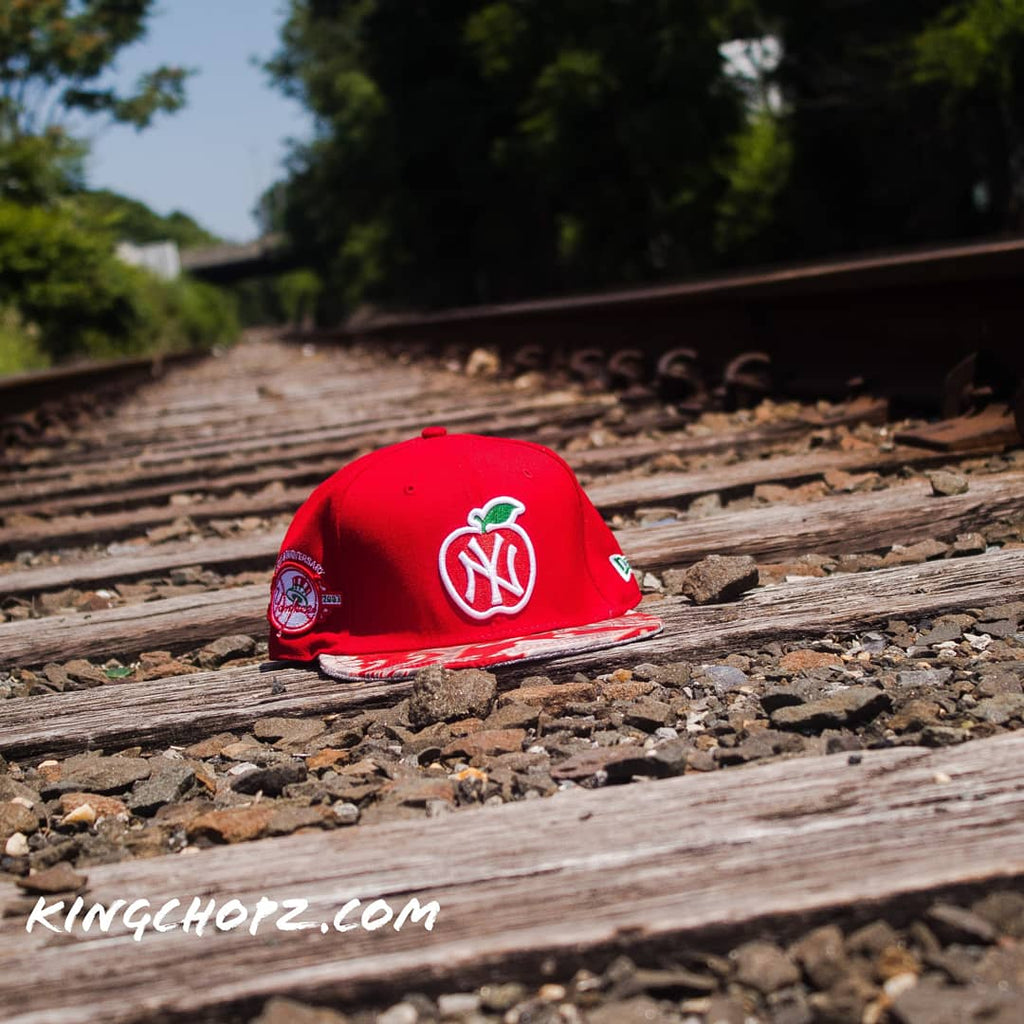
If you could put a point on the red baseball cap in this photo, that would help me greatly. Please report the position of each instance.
(454, 550)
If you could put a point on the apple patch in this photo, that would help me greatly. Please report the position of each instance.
(488, 567)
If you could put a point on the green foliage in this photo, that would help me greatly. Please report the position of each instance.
(62, 289)
(19, 344)
(481, 150)
(974, 44)
(757, 173)
(53, 52)
(58, 268)
(132, 221)
(297, 292)
(473, 151)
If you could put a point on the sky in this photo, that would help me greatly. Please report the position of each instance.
(213, 158)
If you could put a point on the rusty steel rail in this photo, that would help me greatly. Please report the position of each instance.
(30, 402)
(936, 327)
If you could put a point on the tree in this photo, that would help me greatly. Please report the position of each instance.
(62, 290)
(470, 151)
(974, 52)
(53, 55)
(905, 121)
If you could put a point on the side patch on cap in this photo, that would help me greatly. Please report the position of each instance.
(621, 565)
(294, 599)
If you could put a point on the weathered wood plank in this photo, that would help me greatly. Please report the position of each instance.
(838, 524)
(902, 514)
(676, 861)
(860, 411)
(664, 488)
(256, 550)
(178, 710)
(682, 488)
(117, 476)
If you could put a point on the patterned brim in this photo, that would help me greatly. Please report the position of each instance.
(554, 643)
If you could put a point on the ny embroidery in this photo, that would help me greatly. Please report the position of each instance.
(488, 567)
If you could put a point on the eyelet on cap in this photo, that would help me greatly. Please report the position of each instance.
(433, 432)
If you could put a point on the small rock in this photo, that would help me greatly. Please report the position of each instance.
(233, 824)
(290, 818)
(763, 966)
(457, 1005)
(802, 660)
(440, 695)
(513, 716)
(499, 998)
(969, 544)
(674, 674)
(670, 758)
(946, 482)
(872, 939)
(719, 578)
(1000, 709)
(212, 745)
(846, 709)
(482, 362)
(724, 677)
(649, 715)
(104, 806)
(225, 648)
(954, 924)
(619, 763)
(84, 674)
(1004, 911)
(926, 678)
(554, 698)
(400, 1013)
(280, 1010)
(95, 773)
(822, 956)
(14, 817)
(163, 788)
(83, 814)
(487, 743)
(932, 1002)
(346, 813)
(60, 878)
(327, 757)
(722, 1009)
(288, 730)
(16, 845)
(270, 781)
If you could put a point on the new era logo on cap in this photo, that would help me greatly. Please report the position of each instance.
(449, 549)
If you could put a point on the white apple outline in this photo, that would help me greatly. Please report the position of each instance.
(478, 515)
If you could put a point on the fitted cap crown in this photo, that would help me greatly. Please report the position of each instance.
(457, 550)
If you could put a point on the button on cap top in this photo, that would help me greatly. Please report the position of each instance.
(433, 432)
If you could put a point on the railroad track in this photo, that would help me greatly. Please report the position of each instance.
(801, 804)
(936, 329)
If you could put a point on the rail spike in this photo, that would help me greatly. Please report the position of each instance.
(679, 378)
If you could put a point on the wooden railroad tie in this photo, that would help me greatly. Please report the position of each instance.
(180, 709)
(673, 864)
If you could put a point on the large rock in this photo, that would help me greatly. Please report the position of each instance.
(719, 578)
(232, 825)
(95, 773)
(163, 788)
(225, 648)
(16, 818)
(271, 780)
(765, 967)
(440, 695)
(846, 709)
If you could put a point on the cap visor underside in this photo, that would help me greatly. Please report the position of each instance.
(555, 643)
